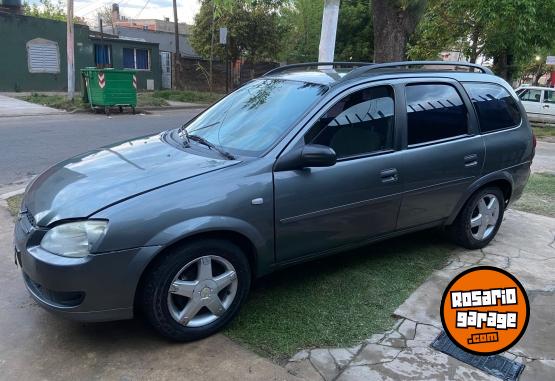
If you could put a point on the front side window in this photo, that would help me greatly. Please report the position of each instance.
(530, 95)
(136, 59)
(496, 108)
(434, 112)
(549, 96)
(254, 118)
(360, 123)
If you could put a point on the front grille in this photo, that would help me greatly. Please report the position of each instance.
(29, 216)
(59, 298)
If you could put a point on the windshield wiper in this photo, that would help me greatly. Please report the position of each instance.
(201, 140)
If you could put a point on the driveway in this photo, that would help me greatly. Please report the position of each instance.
(12, 107)
(36, 345)
(524, 246)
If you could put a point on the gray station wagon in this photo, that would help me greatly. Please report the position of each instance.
(305, 161)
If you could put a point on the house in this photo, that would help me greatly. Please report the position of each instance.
(35, 54)
(161, 32)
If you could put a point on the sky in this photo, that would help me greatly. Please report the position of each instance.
(157, 9)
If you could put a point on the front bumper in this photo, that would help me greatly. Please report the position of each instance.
(98, 287)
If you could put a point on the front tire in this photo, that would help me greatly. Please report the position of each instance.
(480, 219)
(196, 289)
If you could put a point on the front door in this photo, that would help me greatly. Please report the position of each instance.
(166, 61)
(531, 100)
(444, 153)
(318, 209)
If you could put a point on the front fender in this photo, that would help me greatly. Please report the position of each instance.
(204, 224)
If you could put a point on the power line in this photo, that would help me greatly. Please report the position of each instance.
(141, 11)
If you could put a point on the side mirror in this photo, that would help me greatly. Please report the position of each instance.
(310, 155)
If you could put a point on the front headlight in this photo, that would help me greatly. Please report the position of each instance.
(74, 239)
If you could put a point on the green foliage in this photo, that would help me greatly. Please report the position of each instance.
(254, 31)
(303, 21)
(539, 195)
(355, 38)
(47, 9)
(187, 96)
(513, 29)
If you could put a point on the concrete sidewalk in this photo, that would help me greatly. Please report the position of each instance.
(36, 345)
(10, 107)
(524, 246)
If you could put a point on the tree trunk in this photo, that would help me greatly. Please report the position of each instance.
(393, 26)
(502, 65)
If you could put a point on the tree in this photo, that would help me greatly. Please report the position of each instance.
(253, 28)
(46, 9)
(303, 21)
(105, 13)
(394, 22)
(509, 32)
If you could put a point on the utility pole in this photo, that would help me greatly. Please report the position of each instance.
(70, 53)
(176, 57)
(329, 30)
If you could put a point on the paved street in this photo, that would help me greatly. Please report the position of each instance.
(29, 145)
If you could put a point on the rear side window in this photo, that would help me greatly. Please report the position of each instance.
(434, 112)
(496, 108)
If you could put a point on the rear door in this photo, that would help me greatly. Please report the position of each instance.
(444, 151)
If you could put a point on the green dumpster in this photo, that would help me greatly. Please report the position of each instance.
(105, 88)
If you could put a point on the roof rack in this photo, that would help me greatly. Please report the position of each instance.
(365, 69)
(310, 64)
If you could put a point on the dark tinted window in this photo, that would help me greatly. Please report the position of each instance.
(434, 112)
(496, 108)
(360, 123)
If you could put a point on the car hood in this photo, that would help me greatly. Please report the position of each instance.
(80, 186)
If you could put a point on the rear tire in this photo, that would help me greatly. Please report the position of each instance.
(184, 304)
(479, 219)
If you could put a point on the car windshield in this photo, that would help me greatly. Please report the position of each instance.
(253, 118)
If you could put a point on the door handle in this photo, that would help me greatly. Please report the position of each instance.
(545, 106)
(389, 175)
(471, 160)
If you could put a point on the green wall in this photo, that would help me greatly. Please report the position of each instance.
(17, 30)
(117, 46)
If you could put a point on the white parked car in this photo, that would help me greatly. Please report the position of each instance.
(539, 103)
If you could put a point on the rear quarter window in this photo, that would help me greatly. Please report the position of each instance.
(496, 108)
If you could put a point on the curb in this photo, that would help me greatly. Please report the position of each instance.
(7, 195)
(147, 108)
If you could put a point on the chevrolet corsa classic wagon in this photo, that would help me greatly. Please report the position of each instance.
(306, 161)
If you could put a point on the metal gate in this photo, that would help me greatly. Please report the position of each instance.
(166, 61)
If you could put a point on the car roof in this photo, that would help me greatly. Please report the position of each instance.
(326, 73)
(535, 88)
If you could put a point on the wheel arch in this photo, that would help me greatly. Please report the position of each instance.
(502, 180)
(242, 241)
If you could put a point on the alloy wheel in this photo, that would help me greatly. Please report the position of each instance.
(202, 291)
(484, 217)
